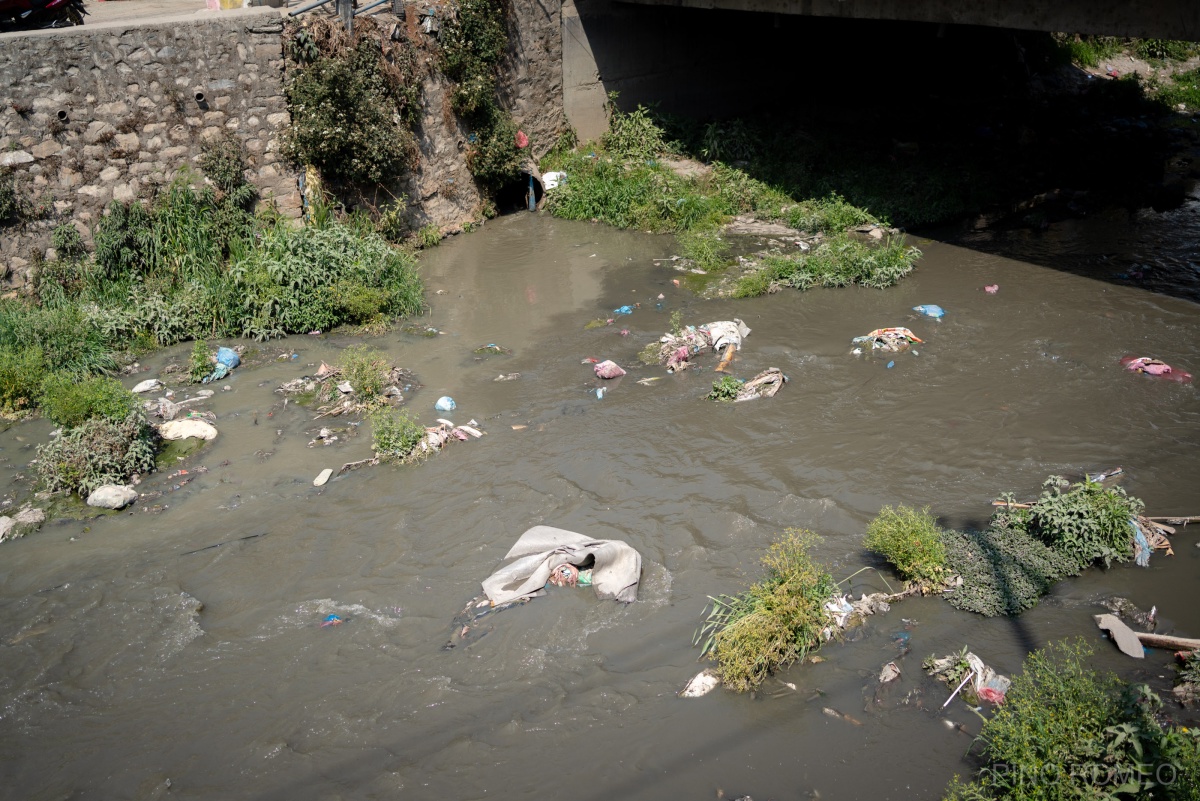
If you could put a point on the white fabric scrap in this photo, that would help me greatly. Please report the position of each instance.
(615, 574)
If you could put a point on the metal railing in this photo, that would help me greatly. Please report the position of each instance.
(346, 10)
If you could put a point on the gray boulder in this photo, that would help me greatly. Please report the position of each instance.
(112, 496)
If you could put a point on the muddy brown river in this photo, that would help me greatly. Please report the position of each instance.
(138, 662)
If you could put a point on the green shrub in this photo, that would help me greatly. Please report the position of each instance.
(1164, 50)
(1066, 731)
(348, 116)
(67, 243)
(97, 452)
(10, 204)
(494, 158)
(395, 436)
(1087, 522)
(705, 248)
(70, 402)
(911, 540)
(22, 371)
(124, 241)
(724, 389)
(289, 283)
(773, 624)
(1184, 88)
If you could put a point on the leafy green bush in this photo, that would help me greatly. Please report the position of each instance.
(67, 243)
(1066, 731)
(97, 452)
(1165, 49)
(348, 116)
(776, 622)
(724, 389)
(199, 361)
(1183, 89)
(494, 158)
(1087, 522)
(22, 371)
(911, 540)
(705, 248)
(70, 402)
(395, 436)
(1089, 51)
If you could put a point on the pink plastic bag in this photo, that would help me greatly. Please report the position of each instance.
(608, 369)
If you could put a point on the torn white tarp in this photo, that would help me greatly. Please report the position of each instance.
(727, 332)
(616, 571)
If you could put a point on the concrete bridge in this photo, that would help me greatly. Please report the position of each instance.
(1142, 19)
(713, 58)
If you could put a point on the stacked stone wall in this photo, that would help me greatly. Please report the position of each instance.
(93, 114)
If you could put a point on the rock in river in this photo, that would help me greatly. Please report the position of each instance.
(186, 429)
(112, 496)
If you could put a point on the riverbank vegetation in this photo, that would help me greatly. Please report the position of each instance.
(192, 263)
(776, 622)
(631, 179)
(1068, 731)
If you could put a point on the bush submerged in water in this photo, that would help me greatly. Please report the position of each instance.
(911, 540)
(776, 622)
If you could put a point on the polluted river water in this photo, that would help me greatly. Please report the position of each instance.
(176, 649)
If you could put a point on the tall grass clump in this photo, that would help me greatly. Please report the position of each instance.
(839, 261)
(911, 540)
(70, 402)
(366, 369)
(774, 623)
(1066, 731)
(22, 372)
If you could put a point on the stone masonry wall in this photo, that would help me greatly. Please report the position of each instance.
(93, 114)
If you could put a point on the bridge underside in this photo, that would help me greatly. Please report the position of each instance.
(1143, 19)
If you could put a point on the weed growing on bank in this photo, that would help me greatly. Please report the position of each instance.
(838, 261)
(776, 622)
(1067, 731)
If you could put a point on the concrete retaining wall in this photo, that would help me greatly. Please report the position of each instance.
(127, 92)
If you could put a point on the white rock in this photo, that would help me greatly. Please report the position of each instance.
(6, 526)
(345, 387)
(112, 496)
(187, 429)
(30, 515)
(320, 480)
(149, 385)
(702, 683)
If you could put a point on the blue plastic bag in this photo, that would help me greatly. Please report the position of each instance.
(930, 310)
(227, 359)
(445, 404)
(623, 310)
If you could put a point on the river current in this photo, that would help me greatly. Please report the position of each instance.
(137, 661)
